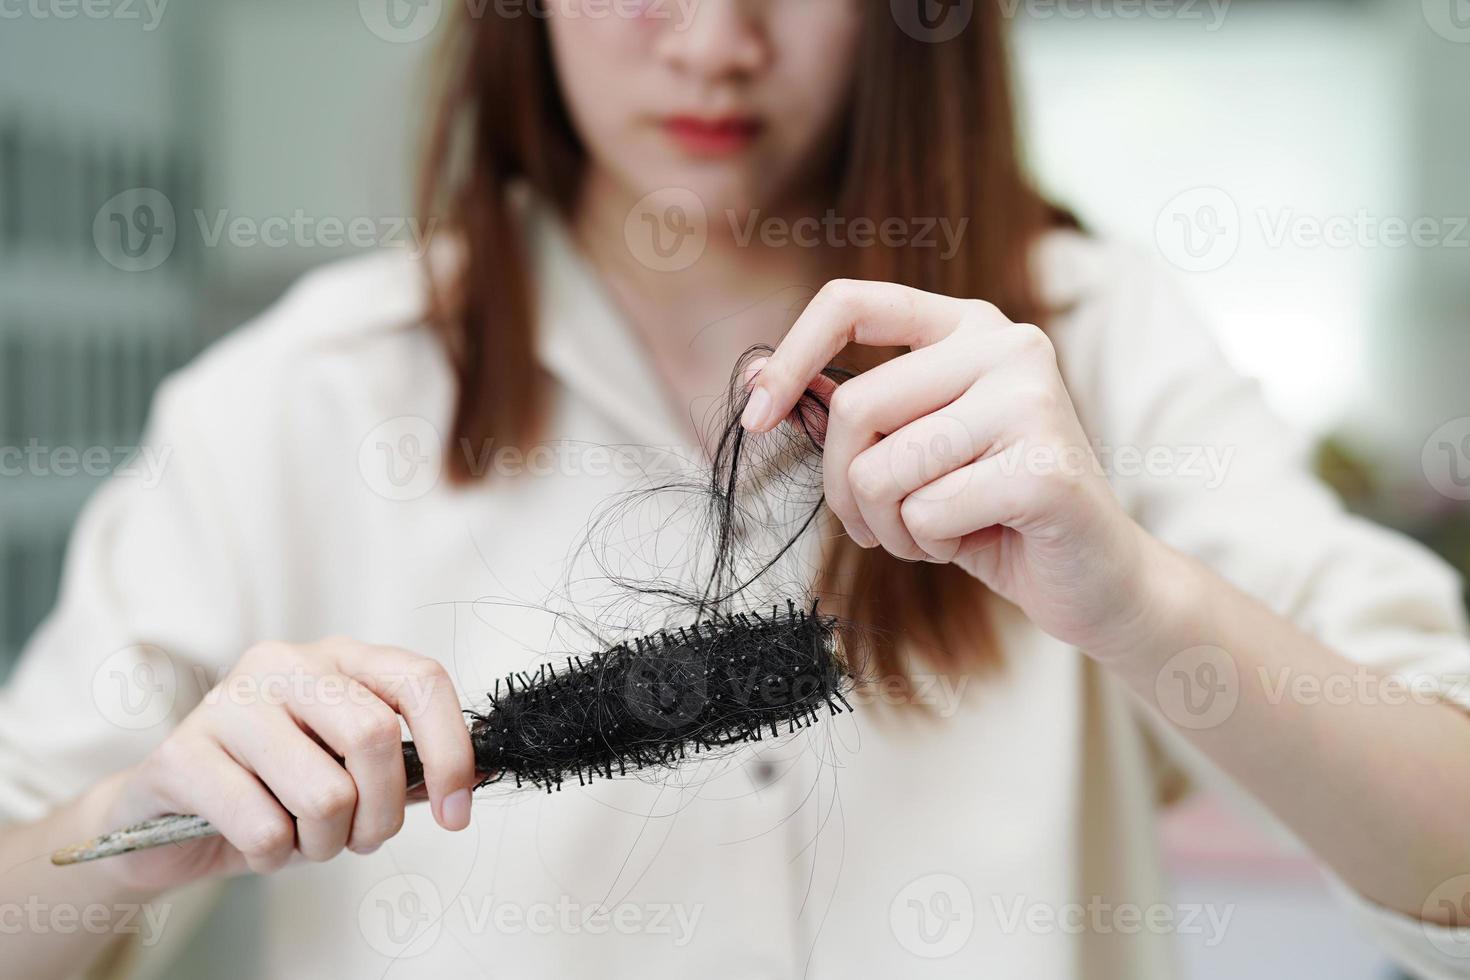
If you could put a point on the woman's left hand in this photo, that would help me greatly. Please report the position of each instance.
(967, 449)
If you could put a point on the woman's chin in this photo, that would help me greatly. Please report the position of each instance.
(725, 191)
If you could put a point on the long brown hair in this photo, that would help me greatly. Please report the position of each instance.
(930, 132)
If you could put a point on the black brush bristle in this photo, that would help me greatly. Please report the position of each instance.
(654, 701)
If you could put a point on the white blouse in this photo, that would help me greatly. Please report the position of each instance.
(1008, 832)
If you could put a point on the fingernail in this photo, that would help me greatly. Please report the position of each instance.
(752, 370)
(365, 851)
(756, 410)
(456, 810)
(864, 537)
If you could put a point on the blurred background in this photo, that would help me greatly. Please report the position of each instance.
(168, 169)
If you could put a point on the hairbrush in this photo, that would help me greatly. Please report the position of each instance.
(642, 705)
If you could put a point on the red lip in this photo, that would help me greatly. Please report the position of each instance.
(713, 137)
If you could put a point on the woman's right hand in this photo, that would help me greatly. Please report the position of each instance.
(256, 758)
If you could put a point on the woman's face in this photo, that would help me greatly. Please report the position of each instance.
(735, 100)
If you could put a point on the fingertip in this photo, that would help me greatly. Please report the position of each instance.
(862, 535)
(454, 810)
(756, 417)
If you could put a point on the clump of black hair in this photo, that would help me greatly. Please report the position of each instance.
(733, 525)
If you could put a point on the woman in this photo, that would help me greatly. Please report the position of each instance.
(635, 198)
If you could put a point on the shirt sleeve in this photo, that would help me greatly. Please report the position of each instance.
(150, 612)
(1196, 456)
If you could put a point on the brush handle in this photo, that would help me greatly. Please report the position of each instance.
(176, 828)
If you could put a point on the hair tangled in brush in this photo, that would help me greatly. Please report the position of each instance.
(654, 701)
(707, 673)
